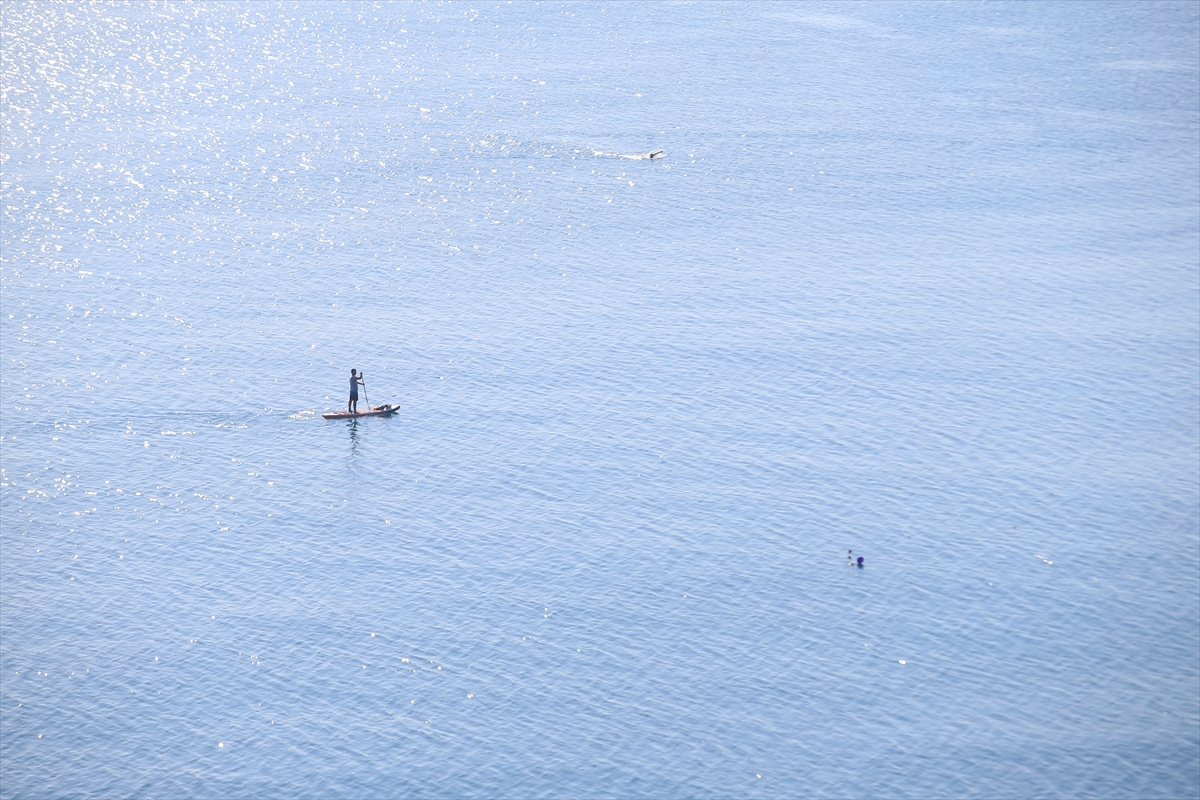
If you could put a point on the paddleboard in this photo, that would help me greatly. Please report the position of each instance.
(377, 411)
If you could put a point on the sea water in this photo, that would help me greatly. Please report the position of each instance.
(913, 280)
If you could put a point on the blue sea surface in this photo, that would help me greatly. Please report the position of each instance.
(920, 281)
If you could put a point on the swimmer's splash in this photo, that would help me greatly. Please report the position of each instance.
(653, 155)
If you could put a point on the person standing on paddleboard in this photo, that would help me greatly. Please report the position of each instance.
(355, 380)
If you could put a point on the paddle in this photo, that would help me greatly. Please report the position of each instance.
(364, 385)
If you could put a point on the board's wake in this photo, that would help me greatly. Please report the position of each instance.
(652, 155)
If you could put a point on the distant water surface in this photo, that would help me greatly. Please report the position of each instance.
(916, 280)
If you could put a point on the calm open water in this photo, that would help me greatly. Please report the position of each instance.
(919, 280)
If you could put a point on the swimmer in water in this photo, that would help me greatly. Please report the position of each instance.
(656, 154)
